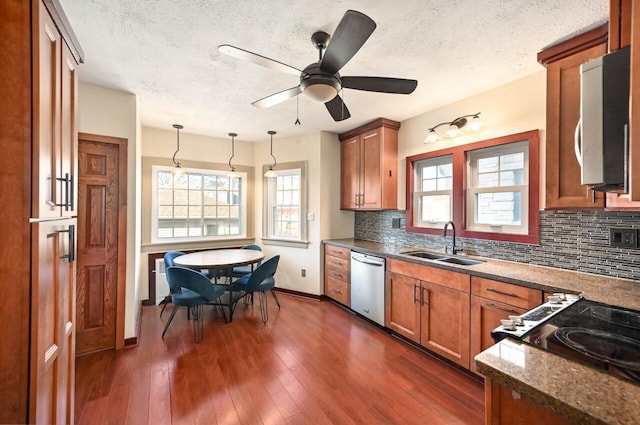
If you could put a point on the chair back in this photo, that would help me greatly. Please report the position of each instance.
(262, 277)
(183, 277)
(170, 256)
(253, 247)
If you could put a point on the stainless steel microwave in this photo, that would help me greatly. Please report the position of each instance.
(601, 141)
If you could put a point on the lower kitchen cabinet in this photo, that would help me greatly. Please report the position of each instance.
(430, 306)
(504, 406)
(337, 274)
(492, 301)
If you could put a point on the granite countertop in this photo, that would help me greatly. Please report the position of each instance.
(575, 391)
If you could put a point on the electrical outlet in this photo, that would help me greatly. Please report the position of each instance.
(623, 238)
(303, 272)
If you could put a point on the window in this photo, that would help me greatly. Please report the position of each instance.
(497, 193)
(285, 206)
(433, 195)
(200, 204)
(489, 189)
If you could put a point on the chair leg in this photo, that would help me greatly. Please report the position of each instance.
(173, 313)
(273, 292)
(164, 303)
(264, 306)
(198, 321)
(224, 316)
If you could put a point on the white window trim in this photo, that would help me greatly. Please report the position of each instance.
(472, 190)
(417, 195)
(154, 206)
(267, 239)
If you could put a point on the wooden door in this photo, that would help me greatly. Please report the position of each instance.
(349, 179)
(52, 369)
(98, 248)
(444, 327)
(563, 182)
(485, 317)
(402, 305)
(370, 170)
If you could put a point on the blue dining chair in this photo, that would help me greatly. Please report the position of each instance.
(192, 289)
(260, 280)
(240, 271)
(168, 262)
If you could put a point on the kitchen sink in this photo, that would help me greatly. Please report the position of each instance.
(460, 261)
(424, 254)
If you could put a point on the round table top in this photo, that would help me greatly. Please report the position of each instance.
(219, 258)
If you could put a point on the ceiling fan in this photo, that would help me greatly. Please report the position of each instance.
(321, 80)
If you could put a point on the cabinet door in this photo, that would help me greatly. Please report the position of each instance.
(563, 181)
(46, 190)
(444, 327)
(69, 133)
(52, 323)
(485, 317)
(370, 170)
(402, 305)
(349, 179)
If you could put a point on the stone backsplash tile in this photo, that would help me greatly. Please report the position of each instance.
(572, 240)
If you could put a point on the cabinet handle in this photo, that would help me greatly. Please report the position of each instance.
(502, 293)
(425, 300)
(68, 181)
(71, 256)
(497, 307)
(336, 290)
(70, 194)
(415, 298)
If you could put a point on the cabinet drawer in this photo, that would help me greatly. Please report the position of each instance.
(340, 263)
(337, 251)
(339, 274)
(337, 289)
(508, 293)
(454, 280)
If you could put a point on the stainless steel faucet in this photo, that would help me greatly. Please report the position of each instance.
(453, 230)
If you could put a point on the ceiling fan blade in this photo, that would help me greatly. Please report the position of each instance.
(337, 109)
(380, 84)
(352, 32)
(248, 56)
(274, 99)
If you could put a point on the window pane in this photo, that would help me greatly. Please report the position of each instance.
(429, 185)
(445, 170)
(511, 178)
(445, 183)
(180, 182)
(195, 196)
(488, 180)
(499, 208)
(429, 173)
(195, 181)
(435, 208)
(180, 197)
(195, 212)
(180, 229)
(512, 161)
(180, 211)
(486, 165)
(165, 197)
(165, 180)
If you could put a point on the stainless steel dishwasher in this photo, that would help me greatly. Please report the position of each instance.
(367, 286)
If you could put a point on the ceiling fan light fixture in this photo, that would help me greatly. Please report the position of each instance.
(317, 86)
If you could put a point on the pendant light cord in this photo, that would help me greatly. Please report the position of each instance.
(177, 127)
(275, 162)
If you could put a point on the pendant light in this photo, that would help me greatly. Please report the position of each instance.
(177, 169)
(232, 169)
(270, 173)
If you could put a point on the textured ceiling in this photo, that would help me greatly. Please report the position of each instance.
(165, 52)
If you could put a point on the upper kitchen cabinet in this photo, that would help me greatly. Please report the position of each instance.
(369, 165)
(562, 171)
(55, 146)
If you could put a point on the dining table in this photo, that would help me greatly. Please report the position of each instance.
(220, 260)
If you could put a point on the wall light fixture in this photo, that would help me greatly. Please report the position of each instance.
(454, 127)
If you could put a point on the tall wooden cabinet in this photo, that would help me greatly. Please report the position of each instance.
(562, 171)
(429, 306)
(37, 187)
(369, 166)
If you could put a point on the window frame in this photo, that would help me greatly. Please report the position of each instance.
(417, 195)
(460, 176)
(472, 188)
(267, 217)
(243, 205)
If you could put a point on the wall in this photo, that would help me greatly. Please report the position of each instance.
(573, 240)
(112, 113)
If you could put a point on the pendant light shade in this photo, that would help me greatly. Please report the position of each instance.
(270, 173)
(177, 170)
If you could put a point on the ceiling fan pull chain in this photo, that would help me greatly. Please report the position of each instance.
(297, 111)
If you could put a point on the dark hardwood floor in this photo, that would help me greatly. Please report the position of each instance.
(313, 363)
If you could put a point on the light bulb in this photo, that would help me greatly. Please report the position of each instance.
(452, 131)
(270, 174)
(432, 137)
(476, 124)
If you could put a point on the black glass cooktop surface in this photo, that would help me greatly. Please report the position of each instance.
(600, 335)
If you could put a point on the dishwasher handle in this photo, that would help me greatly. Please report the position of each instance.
(367, 260)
